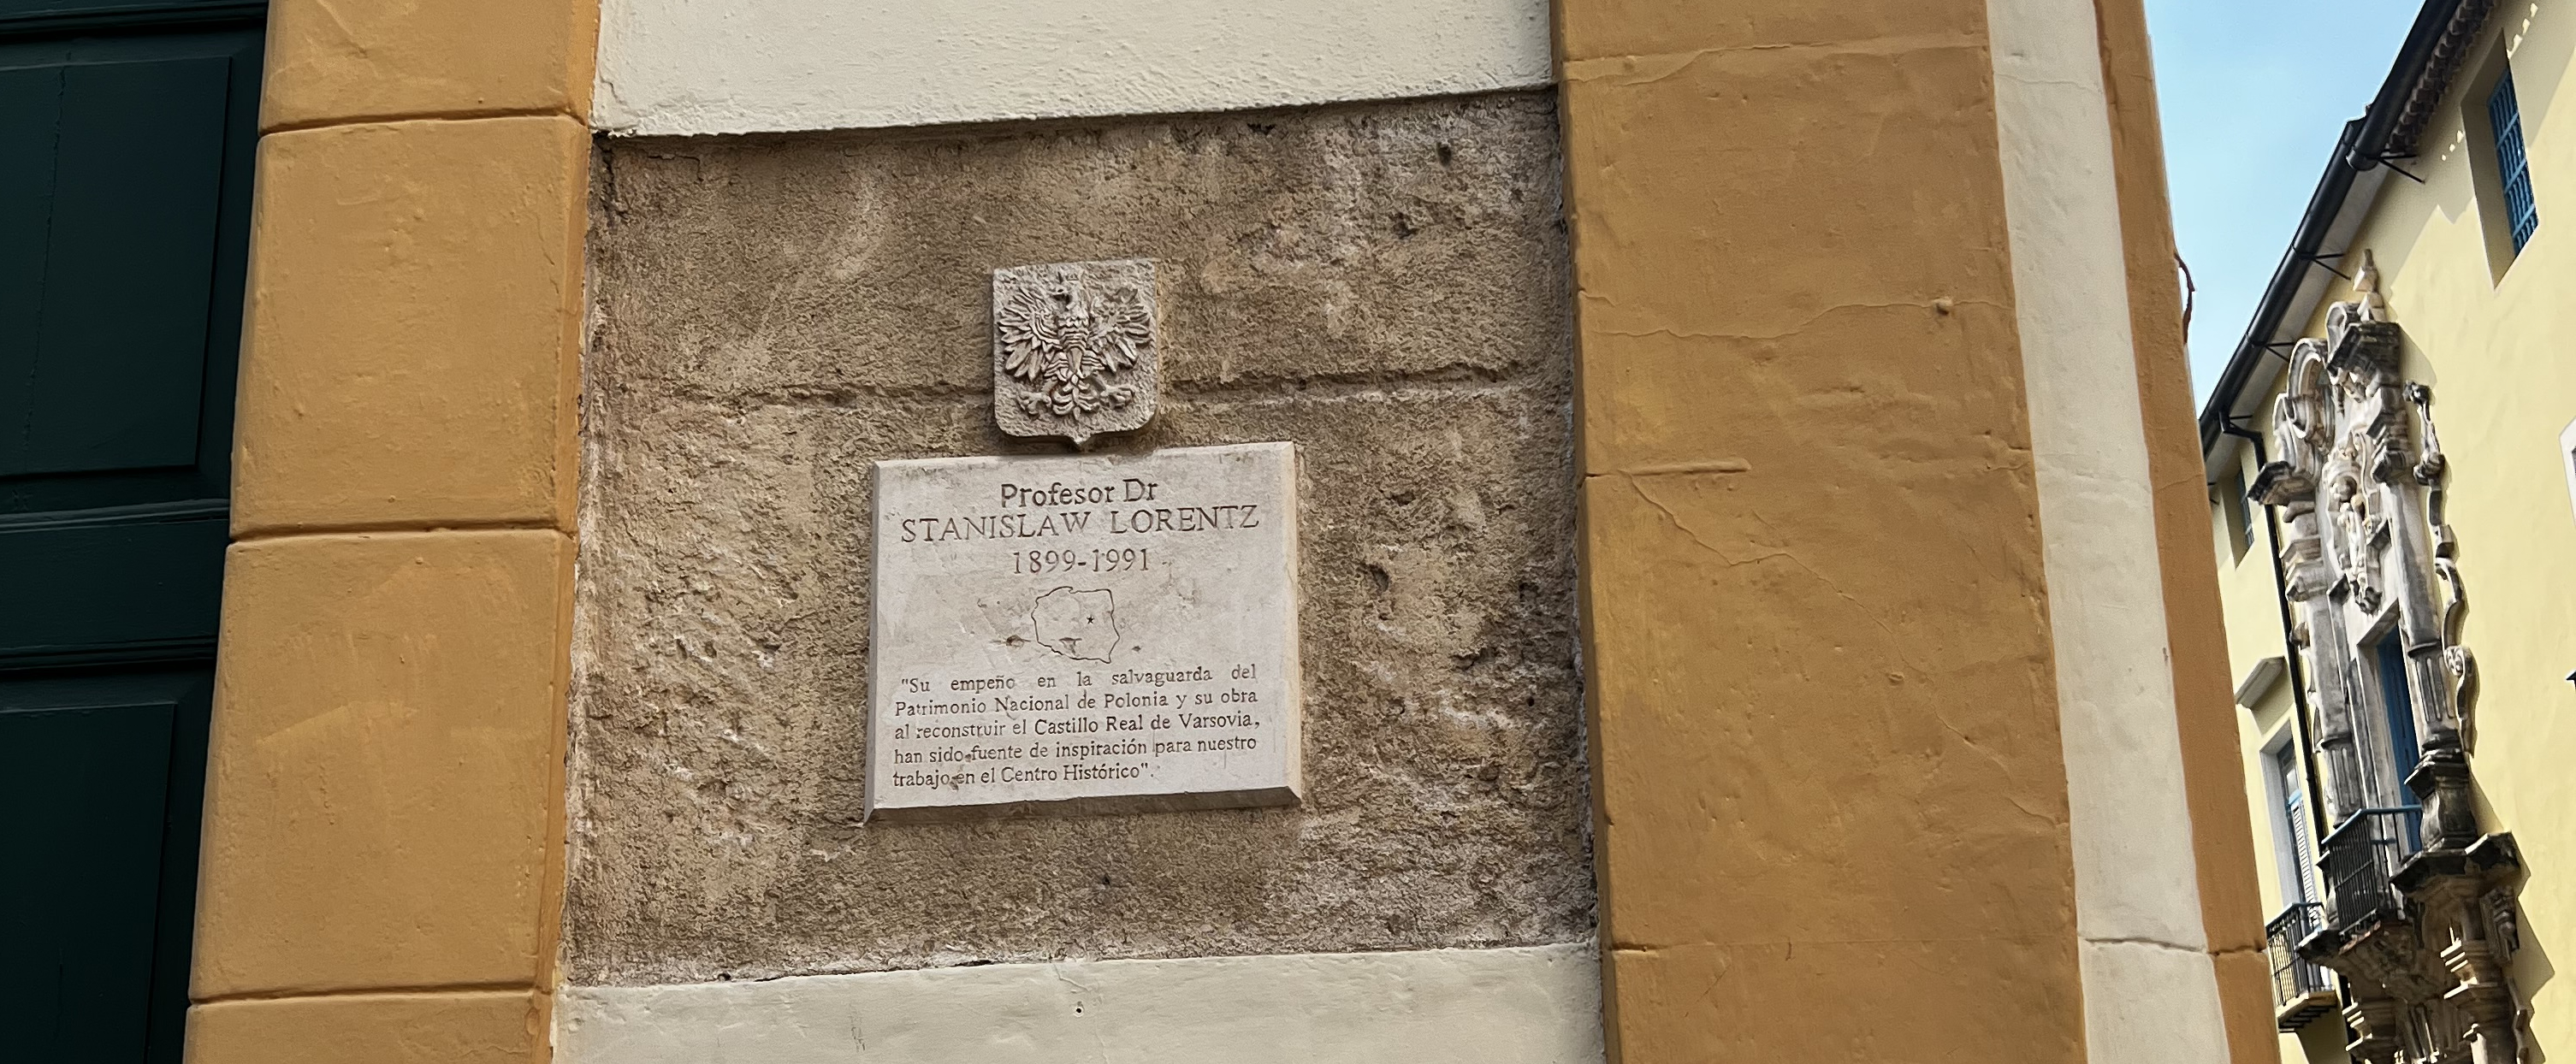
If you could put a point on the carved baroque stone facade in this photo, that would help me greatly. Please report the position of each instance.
(2418, 915)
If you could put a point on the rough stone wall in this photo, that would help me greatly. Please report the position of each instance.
(1384, 284)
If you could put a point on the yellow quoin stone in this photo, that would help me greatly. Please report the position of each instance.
(387, 761)
(358, 60)
(415, 306)
(482, 1027)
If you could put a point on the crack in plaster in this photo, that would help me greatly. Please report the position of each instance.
(462, 114)
(1943, 306)
(503, 988)
(2129, 940)
(2088, 89)
(1687, 530)
(349, 38)
(1793, 943)
(1099, 1045)
(1245, 396)
(1999, 762)
(1232, 386)
(1717, 465)
(1666, 64)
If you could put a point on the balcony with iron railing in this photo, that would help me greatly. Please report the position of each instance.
(2301, 990)
(2361, 859)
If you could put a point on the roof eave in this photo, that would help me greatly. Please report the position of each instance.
(2350, 186)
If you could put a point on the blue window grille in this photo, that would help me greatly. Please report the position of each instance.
(2521, 215)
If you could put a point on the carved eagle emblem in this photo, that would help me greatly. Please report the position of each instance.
(1069, 343)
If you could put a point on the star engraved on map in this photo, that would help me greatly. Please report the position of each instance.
(1077, 624)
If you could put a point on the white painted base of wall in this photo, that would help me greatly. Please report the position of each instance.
(1529, 1005)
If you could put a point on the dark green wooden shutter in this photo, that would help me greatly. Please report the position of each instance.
(127, 134)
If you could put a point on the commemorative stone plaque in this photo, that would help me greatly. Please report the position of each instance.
(1097, 633)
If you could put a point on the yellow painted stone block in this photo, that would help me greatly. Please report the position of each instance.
(384, 792)
(1681, 29)
(460, 1028)
(359, 60)
(1906, 1000)
(2245, 999)
(1843, 302)
(412, 356)
(1803, 735)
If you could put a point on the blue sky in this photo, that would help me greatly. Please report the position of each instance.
(2253, 94)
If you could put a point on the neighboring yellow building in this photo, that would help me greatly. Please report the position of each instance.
(2397, 590)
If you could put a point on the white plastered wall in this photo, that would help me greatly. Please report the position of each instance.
(669, 67)
(2150, 989)
(1527, 1005)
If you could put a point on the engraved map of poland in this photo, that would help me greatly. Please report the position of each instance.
(1078, 624)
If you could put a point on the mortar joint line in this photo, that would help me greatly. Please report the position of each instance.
(502, 986)
(397, 527)
(464, 114)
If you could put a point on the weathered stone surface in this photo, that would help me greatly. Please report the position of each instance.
(1383, 285)
(1350, 244)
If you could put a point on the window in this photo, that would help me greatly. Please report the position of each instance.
(2246, 513)
(2238, 512)
(2290, 824)
(2400, 706)
(2513, 168)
